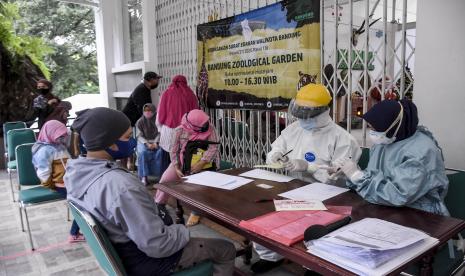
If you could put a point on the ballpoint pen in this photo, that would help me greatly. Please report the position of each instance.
(285, 155)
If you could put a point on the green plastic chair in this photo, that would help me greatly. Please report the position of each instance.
(106, 254)
(443, 264)
(226, 165)
(27, 176)
(454, 203)
(7, 127)
(364, 158)
(16, 137)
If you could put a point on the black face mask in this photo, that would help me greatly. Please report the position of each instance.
(154, 86)
(43, 91)
(205, 127)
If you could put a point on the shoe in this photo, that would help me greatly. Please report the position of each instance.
(193, 220)
(76, 238)
(144, 180)
(263, 266)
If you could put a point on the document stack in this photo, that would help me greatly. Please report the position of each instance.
(371, 246)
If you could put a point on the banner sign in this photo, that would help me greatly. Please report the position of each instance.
(259, 59)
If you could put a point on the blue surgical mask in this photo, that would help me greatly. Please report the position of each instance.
(125, 149)
(308, 124)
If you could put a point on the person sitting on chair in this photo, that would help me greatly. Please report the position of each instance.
(147, 144)
(49, 156)
(195, 128)
(406, 166)
(313, 143)
(125, 208)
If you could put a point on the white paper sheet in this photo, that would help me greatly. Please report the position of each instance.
(264, 186)
(217, 180)
(386, 268)
(263, 174)
(372, 233)
(276, 166)
(315, 191)
(371, 246)
(298, 205)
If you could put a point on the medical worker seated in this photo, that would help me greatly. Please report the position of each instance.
(316, 143)
(406, 166)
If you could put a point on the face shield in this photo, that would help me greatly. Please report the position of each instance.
(299, 110)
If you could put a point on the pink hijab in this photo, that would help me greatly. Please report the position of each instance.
(176, 101)
(51, 131)
(193, 121)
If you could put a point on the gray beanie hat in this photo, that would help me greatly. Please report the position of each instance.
(100, 127)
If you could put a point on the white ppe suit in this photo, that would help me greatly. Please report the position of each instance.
(323, 145)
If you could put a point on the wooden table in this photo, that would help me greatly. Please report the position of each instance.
(228, 208)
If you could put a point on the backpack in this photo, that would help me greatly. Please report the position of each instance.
(193, 152)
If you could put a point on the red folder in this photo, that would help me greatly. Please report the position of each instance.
(288, 227)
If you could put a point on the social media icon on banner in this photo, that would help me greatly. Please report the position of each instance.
(269, 104)
(218, 103)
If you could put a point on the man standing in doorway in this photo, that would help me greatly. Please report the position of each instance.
(141, 96)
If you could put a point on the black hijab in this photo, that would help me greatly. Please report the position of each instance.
(384, 113)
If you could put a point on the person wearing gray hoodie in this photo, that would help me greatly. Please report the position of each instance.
(124, 207)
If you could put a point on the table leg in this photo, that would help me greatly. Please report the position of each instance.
(426, 265)
(179, 213)
(248, 251)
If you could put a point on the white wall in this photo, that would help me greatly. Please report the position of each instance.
(440, 74)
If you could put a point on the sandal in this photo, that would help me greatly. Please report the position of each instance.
(76, 238)
(193, 220)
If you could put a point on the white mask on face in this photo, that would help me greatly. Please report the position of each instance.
(380, 138)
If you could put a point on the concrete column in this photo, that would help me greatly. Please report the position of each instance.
(104, 20)
(439, 74)
(149, 31)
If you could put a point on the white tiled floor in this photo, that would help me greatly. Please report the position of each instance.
(53, 255)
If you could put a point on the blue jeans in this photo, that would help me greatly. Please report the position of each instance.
(148, 161)
(74, 227)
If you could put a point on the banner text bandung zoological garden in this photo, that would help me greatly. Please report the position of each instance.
(258, 59)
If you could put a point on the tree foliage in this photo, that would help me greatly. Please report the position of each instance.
(18, 45)
(69, 31)
(21, 65)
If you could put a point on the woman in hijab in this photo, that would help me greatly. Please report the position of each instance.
(195, 126)
(60, 112)
(406, 166)
(176, 101)
(147, 144)
(45, 103)
(49, 156)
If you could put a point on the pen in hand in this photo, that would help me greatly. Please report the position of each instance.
(284, 155)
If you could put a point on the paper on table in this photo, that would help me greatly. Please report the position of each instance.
(370, 242)
(316, 191)
(275, 166)
(384, 269)
(263, 174)
(264, 186)
(217, 180)
(298, 205)
(371, 233)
